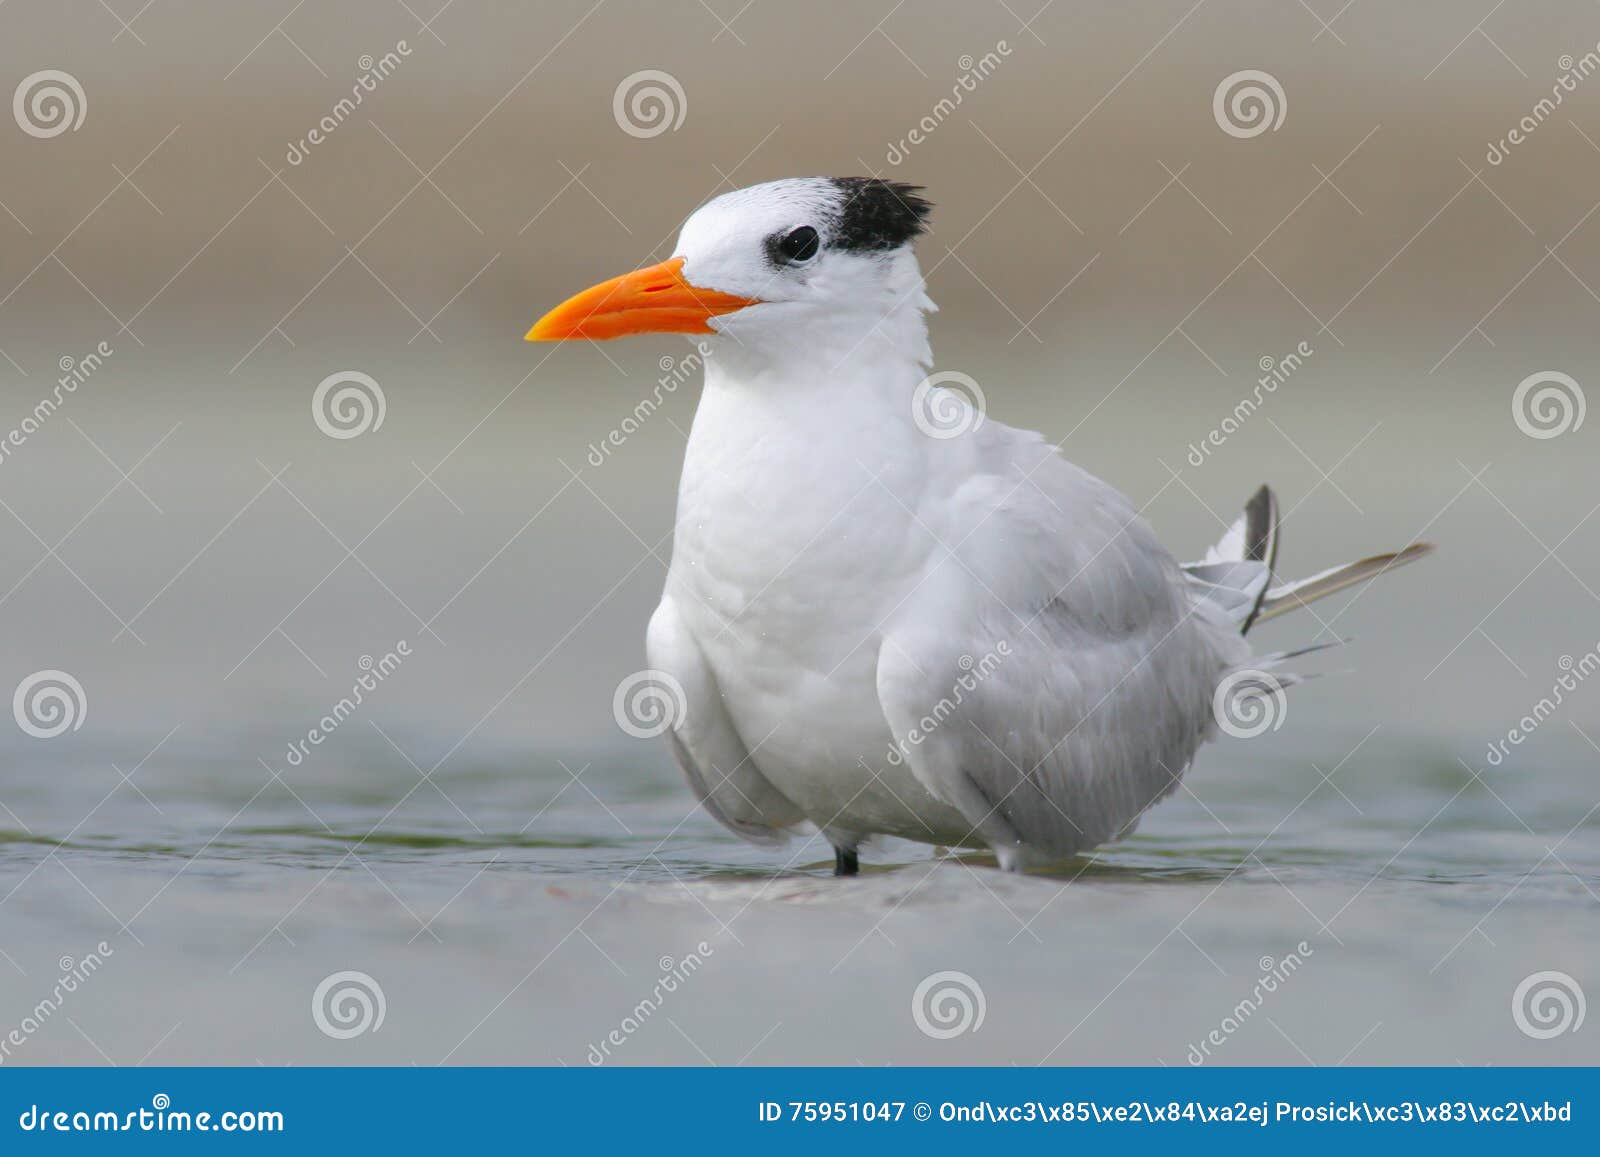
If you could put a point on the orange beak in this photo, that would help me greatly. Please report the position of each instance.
(652, 300)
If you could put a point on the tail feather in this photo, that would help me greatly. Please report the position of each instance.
(1261, 541)
(1253, 537)
(1261, 527)
(1273, 658)
(1236, 574)
(1280, 600)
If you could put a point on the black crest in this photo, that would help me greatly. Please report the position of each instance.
(878, 214)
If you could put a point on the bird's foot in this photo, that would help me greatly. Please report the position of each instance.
(845, 862)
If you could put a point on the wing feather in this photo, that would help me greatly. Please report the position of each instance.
(1097, 666)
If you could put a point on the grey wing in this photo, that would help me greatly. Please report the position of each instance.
(1058, 684)
(707, 746)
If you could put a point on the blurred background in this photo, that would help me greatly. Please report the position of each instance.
(1118, 250)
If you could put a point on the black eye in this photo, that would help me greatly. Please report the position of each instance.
(800, 245)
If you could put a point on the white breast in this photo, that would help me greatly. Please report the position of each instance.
(786, 564)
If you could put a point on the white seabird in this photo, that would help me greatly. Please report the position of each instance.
(962, 640)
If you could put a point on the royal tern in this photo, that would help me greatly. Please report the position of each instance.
(879, 628)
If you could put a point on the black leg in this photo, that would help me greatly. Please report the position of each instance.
(845, 862)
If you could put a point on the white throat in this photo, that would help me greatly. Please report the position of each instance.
(871, 336)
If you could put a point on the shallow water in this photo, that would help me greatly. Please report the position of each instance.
(512, 915)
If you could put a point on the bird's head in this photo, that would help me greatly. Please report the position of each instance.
(770, 264)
